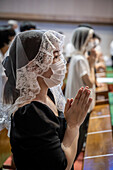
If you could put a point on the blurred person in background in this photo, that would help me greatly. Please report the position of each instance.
(27, 25)
(14, 25)
(100, 64)
(6, 36)
(97, 41)
(81, 72)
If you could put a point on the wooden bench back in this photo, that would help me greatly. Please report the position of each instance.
(99, 148)
(5, 148)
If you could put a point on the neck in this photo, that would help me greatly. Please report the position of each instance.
(43, 92)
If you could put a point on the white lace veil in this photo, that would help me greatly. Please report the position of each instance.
(31, 54)
(80, 38)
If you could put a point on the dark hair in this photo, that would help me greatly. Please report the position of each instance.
(27, 26)
(12, 32)
(31, 41)
(61, 32)
(4, 35)
(85, 25)
(96, 36)
(10, 93)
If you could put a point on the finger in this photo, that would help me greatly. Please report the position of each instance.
(77, 97)
(88, 104)
(66, 105)
(82, 97)
(87, 87)
(71, 101)
(86, 98)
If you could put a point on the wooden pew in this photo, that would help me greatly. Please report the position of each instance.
(5, 149)
(102, 91)
(99, 148)
(102, 95)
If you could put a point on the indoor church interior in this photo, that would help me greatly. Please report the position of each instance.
(56, 85)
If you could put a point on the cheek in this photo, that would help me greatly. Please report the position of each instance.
(55, 60)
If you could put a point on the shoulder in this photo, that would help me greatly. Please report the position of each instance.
(35, 109)
(77, 58)
(34, 115)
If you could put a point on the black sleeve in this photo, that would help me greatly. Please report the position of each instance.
(36, 132)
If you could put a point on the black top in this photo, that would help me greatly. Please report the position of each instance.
(36, 136)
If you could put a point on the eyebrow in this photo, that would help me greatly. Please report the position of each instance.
(56, 51)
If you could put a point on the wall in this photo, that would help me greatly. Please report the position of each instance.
(64, 15)
(94, 11)
(105, 32)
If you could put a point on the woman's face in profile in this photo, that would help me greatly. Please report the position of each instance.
(91, 40)
(55, 60)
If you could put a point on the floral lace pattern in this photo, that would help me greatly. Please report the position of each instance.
(26, 76)
(59, 97)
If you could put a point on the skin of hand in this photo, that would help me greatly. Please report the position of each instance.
(76, 109)
(100, 65)
(92, 57)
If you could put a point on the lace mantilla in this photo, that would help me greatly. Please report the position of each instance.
(26, 76)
